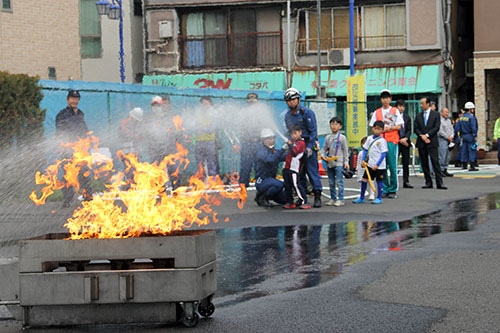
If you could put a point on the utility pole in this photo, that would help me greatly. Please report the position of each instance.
(318, 74)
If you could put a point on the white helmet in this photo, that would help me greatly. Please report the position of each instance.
(469, 105)
(136, 113)
(291, 93)
(156, 100)
(266, 133)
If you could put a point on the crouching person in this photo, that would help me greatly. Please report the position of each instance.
(266, 167)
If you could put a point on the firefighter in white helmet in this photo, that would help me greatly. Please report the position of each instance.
(267, 161)
(466, 128)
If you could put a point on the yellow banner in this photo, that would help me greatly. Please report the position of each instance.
(356, 110)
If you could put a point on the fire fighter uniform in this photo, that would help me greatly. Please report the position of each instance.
(266, 168)
(467, 127)
(306, 118)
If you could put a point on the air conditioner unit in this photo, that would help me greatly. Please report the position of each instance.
(166, 29)
(469, 67)
(338, 57)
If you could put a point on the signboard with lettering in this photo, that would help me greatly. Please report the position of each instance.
(399, 80)
(356, 110)
(234, 81)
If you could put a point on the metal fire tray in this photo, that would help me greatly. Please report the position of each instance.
(127, 280)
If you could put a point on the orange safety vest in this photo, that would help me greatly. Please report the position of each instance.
(391, 136)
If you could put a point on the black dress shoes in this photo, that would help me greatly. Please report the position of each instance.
(441, 187)
(407, 185)
(427, 186)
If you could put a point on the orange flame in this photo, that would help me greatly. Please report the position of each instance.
(146, 207)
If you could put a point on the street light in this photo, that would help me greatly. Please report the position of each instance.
(102, 7)
(114, 12)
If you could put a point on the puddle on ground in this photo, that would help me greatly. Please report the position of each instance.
(259, 261)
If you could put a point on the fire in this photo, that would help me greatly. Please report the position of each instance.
(147, 207)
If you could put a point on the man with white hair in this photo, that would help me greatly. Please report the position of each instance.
(445, 138)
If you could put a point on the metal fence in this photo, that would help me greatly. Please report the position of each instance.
(106, 105)
(232, 50)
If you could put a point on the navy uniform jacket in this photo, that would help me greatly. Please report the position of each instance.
(468, 125)
(71, 126)
(307, 120)
(267, 161)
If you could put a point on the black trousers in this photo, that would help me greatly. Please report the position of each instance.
(293, 183)
(425, 153)
(405, 160)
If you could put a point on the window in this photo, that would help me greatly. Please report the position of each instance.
(382, 27)
(6, 5)
(334, 30)
(231, 38)
(90, 30)
(52, 73)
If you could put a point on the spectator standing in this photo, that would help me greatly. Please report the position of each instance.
(393, 120)
(445, 137)
(336, 153)
(405, 142)
(496, 136)
(426, 126)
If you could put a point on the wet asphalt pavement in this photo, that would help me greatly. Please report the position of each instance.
(351, 268)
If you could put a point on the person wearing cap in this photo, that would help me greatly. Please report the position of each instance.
(70, 121)
(132, 132)
(71, 127)
(445, 138)
(267, 161)
(468, 135)
(249, 137)
(305, 117)
(393, 120)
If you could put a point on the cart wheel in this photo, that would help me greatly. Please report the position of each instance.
(190, 322)
(207, 311)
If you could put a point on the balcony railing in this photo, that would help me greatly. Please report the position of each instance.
(250, 49)
(364, 43)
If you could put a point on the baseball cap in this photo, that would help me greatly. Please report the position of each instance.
(73, 93)
(385, 93)
(157, 100)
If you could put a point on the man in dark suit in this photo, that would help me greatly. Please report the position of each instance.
(426, 127)
(405, 143)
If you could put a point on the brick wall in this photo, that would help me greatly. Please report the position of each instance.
(481, 65)
(39, 34)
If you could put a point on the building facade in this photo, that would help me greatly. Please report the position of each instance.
(67, 40)
(229, 44)
(486, 67)
(40, 38)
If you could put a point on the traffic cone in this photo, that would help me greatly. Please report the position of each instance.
(321, 168)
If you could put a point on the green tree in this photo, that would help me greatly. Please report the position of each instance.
(21, 118)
